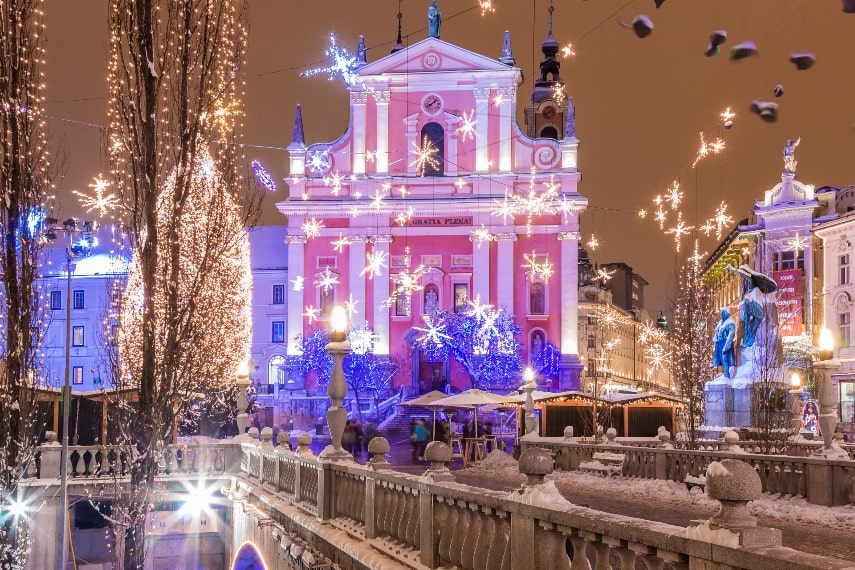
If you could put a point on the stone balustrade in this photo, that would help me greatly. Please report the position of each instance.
(820, 481)
(354, 512)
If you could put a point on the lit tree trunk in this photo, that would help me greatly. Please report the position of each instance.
(25, 181)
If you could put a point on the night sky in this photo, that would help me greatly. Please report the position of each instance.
(640, 103)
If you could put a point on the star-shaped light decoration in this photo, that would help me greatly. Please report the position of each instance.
(343, 240)
(433, 331)
(660, 217)
(404, 191)
(611, 343)
(101, 201)
(542, 270)
(334, 180)
(674, 196)
(593, 243)
(424, 156)
(642, 213)
(297, 283)
(708, 227)
(370, 156)
(727, 118)
(376, 261)
(796, 243)
(311, 313)
(481, 235)
(603, 275)
(403, 217)
(722, 220)
(477, 310)
(377, 200)
(326, 280)
(498, 99)
(714, 146)
(679, 230)
(486, 7)
(350, 306)
(567, 51)
(504, 208)
(466, 126)
(312, 228)
(341, 64)
(406, 282)
(362, 339)
(558, 93)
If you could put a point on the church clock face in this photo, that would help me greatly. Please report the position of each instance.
(432, 104)
(548, 113)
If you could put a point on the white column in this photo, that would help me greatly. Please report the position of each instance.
(356, 282)
(506, 117)
(505, 271)
(451, 159)
(358, 99)
(381, 294)
(481, 272)
(381, 161)
(412, 140)
(296, 268)
(482, 118)
(569, 292)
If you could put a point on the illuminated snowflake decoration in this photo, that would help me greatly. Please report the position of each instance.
(424, 156)
(297, 283)
(341, 64)
(796, 243)
(319, 161)
(403, 217)
(651, 333)
(593, 243)
(326, 280)
(567, 51)
(642, 213)
(498, 99)
(603, 275)
(707, 148)
(406, 282)
(542, 270)
(312, 228)
(558, 93)
(343, 240)
(376, 261)
(486, 7)
(459, 184)
(350, 306)
(433, 332)
(263, 176)
(370, 156)
(102, 201)
(504, 208)
(679, 230)
(403, 191)
(482, 235)
(656, 357)
(674, 196)
(311, 313)
(334, 181)
(660, 216)
(722, 220)
(377, 200)
(611, 344)
(477, 310)
(466, 127)
(727, 117)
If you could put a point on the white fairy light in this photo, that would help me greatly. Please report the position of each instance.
(486, 7)
(679, 230)
(796, 243)
(611, 343)
(466, 127)
(567, 51)
(674, 196)
(403, 217)
(343, 240)
(362, 339)
(593, 243)
(558, 93)
(660, 217)
(312, 227)
(297, 283)
(539, 269)
(642, 213)
(481, 235)
(334, 180)
(721, 219)
(350, 306)
(311, 313)
(713, 147)
(376, 261)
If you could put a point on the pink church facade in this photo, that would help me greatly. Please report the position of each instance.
(367, 195)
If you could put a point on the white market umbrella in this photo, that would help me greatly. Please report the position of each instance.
(427, 401)
(473, 398)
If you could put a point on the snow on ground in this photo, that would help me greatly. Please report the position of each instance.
(501, 467)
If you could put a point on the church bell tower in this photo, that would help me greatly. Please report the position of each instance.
(546, 115)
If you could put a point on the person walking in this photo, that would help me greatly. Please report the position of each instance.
(422, 435)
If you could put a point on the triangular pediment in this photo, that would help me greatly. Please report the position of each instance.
(432, 55)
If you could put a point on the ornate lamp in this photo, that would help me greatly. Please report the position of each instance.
(796, 394)
(528, 388)
(337, 348)
(827, 397)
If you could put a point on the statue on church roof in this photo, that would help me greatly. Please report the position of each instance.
(434, 20)
(789, 155)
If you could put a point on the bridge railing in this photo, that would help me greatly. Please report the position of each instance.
(430, 522)
(818, 480)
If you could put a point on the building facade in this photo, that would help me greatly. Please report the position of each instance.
(434, 198)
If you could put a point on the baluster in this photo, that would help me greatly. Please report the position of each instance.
(412, 533)
(550, 548)
(397, 512)
(648, 555)
(580, 555)
(87, 462)
(461, 524)
(446, 523)
(601, 549)
(74, 458)
(473, 529)
(388, 511)
(498, 551)
(621, 547)
(485, 537)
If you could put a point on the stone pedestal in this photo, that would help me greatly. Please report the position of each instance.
(569, 373)
(727, 404)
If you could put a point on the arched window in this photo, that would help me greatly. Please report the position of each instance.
(549, 132)
(433, 138)
(275, 374)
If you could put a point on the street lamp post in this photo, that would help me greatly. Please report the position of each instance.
(81, 248)
(827, 397)
(337, 348)
(796, 394)
(528, 388)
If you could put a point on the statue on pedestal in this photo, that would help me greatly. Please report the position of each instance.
(725, 334)
(789, 155)
(434, 20)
